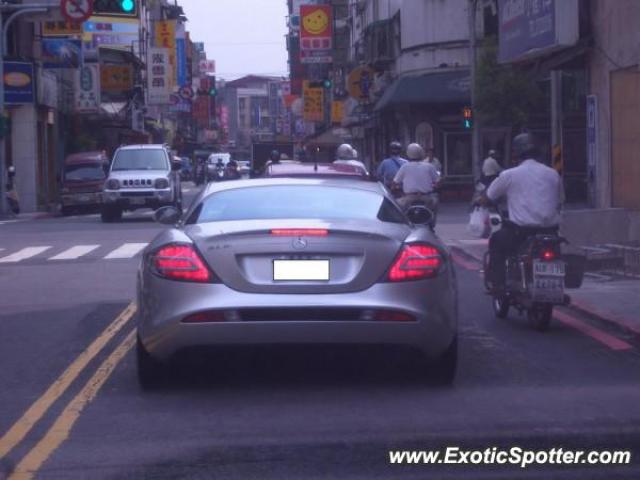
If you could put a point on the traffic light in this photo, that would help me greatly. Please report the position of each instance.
(467, 117)
(213, 89)
(327, 84)
(123, 8)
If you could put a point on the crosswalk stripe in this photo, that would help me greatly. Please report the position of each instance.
(23, 254)
(127, 250)
(75, 252)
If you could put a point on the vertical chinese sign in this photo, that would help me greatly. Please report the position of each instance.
(316, 33)
(313, 103)
(165, 37)
(159, 76)
(87, 88)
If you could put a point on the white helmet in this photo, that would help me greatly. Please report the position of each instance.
(344, 152)
(415, 152)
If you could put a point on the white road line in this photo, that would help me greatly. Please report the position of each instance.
(127, 250)
(23, 254)
(75, 252)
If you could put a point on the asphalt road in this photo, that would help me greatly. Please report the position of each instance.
(70, 406)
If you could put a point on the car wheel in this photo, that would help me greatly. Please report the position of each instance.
(150, 371)
(106, 214)
(501, 306)
(539, 316)
(442, 371)
(66, 211)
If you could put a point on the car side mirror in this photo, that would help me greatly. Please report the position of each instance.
(419, 215)
(168, 215)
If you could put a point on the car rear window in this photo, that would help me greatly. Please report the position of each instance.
(142, 159)
(288, 201)
(84, 172)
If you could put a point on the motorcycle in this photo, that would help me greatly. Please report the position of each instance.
(10, 192)
(536, 278)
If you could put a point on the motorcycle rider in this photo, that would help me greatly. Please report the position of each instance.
(417, 179)
(231, 171)
(490, 168)
(534, 195)
(388, 168)
(346, 154)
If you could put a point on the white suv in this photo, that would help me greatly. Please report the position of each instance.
(141, 176)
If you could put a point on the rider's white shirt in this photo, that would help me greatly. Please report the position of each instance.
(534, 194)
(417, 177)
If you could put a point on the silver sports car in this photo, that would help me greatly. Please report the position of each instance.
(295, 261)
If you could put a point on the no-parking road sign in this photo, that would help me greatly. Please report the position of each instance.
(76, 11)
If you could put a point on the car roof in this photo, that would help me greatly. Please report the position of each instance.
(295, 169)
(86, 157)
(349, 182)
(143, 146)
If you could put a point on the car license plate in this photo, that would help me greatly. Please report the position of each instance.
(300, 270)
(85, 198)
(548, 282)
(136, 201)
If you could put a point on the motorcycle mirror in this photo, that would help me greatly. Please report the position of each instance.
(168, 215)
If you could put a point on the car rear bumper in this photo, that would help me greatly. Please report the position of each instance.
(87, 199)
(164, 304)
(129, 199)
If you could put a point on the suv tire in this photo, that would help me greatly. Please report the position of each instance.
(111, 213)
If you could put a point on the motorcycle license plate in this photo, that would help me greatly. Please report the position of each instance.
(548, 282)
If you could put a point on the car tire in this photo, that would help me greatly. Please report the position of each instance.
(151, 372)
(501, 306)
(111, 214)
(442, 371)
(66, 211)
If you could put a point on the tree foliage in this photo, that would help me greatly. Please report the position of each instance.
(505, 96)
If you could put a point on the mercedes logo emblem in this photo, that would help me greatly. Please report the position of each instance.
(299, 243)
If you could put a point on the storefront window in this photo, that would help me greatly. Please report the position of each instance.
(458, 154)
(424, 135)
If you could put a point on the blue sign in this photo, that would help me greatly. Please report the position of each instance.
(18, 83)
(526, 26)
(181, 62)
(61, 53)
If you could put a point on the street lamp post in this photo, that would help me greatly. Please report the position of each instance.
(475, 127)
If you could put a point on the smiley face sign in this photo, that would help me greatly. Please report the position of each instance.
(316, 20)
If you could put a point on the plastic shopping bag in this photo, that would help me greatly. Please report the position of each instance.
(479, 222)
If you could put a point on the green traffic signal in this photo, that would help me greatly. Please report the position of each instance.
(213, 92)
(327, 84)
(127, 5)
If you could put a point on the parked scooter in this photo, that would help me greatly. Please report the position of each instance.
(536, 278)
(11, 194)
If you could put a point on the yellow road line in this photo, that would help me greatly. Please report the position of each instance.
(61, 429)
(37, 410)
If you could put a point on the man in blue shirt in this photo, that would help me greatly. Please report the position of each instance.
(389, 167)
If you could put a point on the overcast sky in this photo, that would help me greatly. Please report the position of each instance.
(242, 36)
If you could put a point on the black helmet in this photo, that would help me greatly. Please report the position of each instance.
(275, 155)
(525, 146)
(395, 147)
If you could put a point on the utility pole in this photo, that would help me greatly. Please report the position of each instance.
(473, 58)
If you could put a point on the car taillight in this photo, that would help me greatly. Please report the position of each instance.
(393, 316)
(180, 262)
(161, 183)
(548, 255)
(210, 316)
(416, 262)
(300, 232)
(112, 184)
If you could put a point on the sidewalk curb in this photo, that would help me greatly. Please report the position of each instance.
(616, 322)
